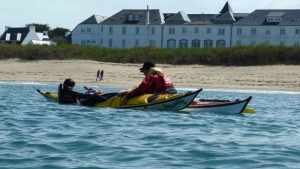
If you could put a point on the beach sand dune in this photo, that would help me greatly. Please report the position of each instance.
(278, 77)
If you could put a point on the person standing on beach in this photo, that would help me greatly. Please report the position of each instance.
(101, 75)
(154, 82)
(98, 75)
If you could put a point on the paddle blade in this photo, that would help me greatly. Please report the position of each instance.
(248, 110)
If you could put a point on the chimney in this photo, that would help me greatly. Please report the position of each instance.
(31, 28)
(6, 28)
(147, 16)
(67, 34)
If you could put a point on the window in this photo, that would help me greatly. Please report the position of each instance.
(296, 43)
(123, 43)
(297, 31)
(183, 43)
(137, 43)
(183, 30)
(152, 43)
(268, 32)
(82, 30)
(88, 43)
(88, 30)
(7, 38)
(196, 31)
(83, 42)
(281, 42)
(93, 43)
(221, 43)
(221, 31)
(253, 31)
(124, 30)
(153, 30)
(101, 42)
(19, 36)
(196, 43)
(208, 43)
(130, 17)
(239, 31)
(137, 30)
(239, 42)
(171, 31)
(282, 31)
(171, 43)
(111, 30)
(101, 28)
(110, 43)
(136, 17)
(267, 42)
(208, 30)
(252, 43)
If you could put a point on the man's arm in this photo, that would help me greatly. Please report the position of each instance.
(146, 83)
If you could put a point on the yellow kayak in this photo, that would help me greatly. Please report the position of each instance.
(167, 102)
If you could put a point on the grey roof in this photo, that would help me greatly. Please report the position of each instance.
(226, 17)
(201, 19)
(94, 19)
(155, 17)
(276, 14)
(259, 17)
(14, 32)
(180, 17)
(226, 8)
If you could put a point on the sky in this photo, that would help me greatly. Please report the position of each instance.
(69, 13)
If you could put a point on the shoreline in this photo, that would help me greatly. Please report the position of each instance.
(266, 78)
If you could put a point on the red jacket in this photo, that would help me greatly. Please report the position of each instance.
(156, 83)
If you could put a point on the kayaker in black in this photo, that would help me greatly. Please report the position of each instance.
(68, 95)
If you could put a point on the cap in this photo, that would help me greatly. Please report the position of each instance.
(147, 65)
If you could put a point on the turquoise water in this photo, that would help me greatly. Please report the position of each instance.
(38, 134)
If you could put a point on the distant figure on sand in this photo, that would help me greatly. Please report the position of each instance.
(98, 75)
(101, 75)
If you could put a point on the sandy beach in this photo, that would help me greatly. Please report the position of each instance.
(274, 78)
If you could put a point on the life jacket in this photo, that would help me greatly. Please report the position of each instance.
(65, 98)
(161, 84)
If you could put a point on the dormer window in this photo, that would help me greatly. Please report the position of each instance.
(275, 16)
(136, 17)
(130, 17)
(274, 19)
(133, 17)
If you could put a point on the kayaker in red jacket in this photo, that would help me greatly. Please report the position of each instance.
(154, 82)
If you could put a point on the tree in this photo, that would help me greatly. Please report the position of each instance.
(58, 32)
(39, 27)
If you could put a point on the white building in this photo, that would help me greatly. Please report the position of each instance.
(132, 28)
(22, 35)
(271, 27)
(87, 32)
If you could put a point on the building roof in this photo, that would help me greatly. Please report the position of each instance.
(94, 19)
(226, 8)
(291, 17)
(15, 34)
(180, 17)
(226, 17)
(155, 17)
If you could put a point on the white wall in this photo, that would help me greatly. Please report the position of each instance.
(130, 36)
(78, 36)
(201, 35)
(274, 38)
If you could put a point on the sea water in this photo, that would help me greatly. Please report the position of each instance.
(35, 133)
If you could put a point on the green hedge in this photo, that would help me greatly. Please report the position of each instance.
(233, 56)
